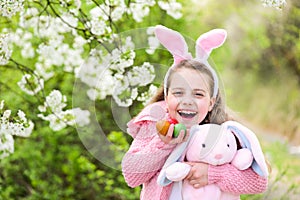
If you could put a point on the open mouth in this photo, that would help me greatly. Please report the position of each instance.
(187, 113)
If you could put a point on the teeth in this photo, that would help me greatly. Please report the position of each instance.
(187, 112)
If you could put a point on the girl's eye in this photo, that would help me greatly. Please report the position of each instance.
(177, 93)
(199, 94)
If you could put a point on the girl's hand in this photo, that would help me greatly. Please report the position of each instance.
(168, 138)
(197, 176)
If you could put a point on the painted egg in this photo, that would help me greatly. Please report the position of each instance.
(178, 128)
(172, 121)
(162, 127)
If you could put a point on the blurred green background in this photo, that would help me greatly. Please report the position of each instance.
(259, 65)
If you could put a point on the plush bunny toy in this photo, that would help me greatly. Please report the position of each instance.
(212, 144)
(216, 145)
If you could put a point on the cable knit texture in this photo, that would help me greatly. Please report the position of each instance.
(232, 180)
(147, 154)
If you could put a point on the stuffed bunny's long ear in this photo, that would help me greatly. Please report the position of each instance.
(249, 140)
(174, 42)
(209, 41)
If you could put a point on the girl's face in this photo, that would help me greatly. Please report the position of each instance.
(188, 97)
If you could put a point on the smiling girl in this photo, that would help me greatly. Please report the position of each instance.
(190, 95)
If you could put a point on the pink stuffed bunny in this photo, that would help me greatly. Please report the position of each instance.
(215, 145)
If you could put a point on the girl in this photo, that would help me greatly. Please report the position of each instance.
(191, 96)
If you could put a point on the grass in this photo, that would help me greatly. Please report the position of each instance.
(284, 179)
(285, 174)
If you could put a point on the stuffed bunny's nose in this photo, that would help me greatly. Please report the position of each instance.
(218, 156)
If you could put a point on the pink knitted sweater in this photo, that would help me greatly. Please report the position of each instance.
(147, 154)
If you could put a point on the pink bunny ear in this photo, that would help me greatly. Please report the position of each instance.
(209, 41)
(174, 42)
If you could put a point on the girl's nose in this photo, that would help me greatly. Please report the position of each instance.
(187, 101)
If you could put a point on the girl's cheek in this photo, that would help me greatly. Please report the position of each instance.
(203, 109)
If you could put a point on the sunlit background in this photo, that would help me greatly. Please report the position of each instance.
(74, 72)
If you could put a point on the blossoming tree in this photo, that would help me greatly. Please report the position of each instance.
(51, 37)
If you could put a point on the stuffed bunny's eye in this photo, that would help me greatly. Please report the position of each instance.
(203, 145)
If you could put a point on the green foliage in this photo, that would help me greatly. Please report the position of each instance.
(56, 166)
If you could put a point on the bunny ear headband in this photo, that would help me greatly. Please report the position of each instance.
(176, 45)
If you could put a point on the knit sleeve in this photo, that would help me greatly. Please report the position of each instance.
(235, 181)
(146, 155)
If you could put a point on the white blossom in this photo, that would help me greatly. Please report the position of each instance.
(9, 8)
(56, 101)
(279, 4)
(42, 108)
(123, 94)
(79, 42)
(101, 11)
(69, 19)
(99, 27)
(31, 84)
(6, 144)
(172, 8)
(145, 97)
(21, 115)
(6, 114)
(76, 2)
(103, 87)
(59, 118)
(55, 122)
(138, 11)
(121, 60)
(23, 39)
(5, 52)
(81, 116)
(44, 70)
(27, 50)
(57, 53)
(117, 9)
(10, 126)
(146, 2)
(152, 41)
(141, 75)
(124, 97)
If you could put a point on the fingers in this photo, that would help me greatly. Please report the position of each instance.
(187, 135)
(197, 183)
(197, 176)
(181, 135)
(170, 131)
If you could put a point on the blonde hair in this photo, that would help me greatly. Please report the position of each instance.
(218, 113)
